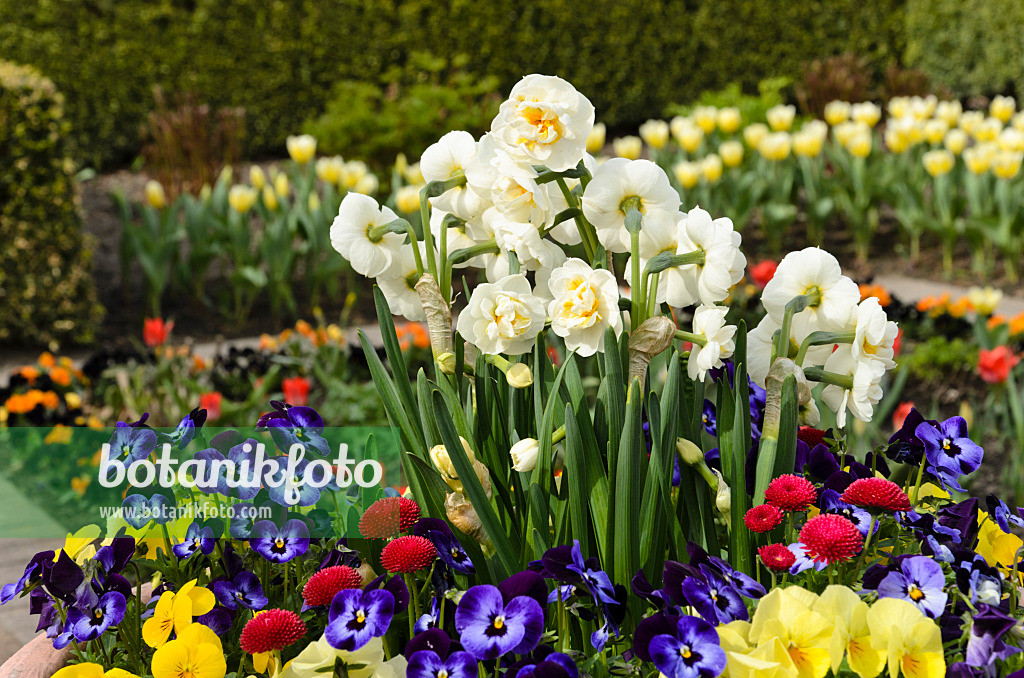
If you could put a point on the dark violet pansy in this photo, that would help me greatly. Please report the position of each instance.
(708, 418)
(218, 620)
(242, 591)
(715, 600)
(450, 551)
(197, 538)
(435, 640)
(904, 445)
(186, 429)
(132, 442)
(290, 424)
(946, 446)
(63, 577)
(94, 615)
(643, 588)
(428, 664)
(919, 580)
(962, 518)
(357, 616)
(116, 555)
(489, 628)
(746, 585)
(552, 665)
(393, 585)
(33, 573)
(279, 544)
(691, 651)
(1002, 514)
(985, 643)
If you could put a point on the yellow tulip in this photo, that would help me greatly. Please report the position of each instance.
(731, 153)
(775, 146)
(977, 159)
(837, 112)
(807, 143)
(985, 300)
(687, 173)
(899, 107)
(1006, 164)
(257, 178)
(711, 168)
(859, 145)
(407, 199)
(935, 130)
(155, 195)
(948, 111)
(729, 119)
(938, 162)
(1002, 108)
(706, 118)
(912, 642)
(328, 170)
(655, 133)
(367, 185)
(780, 118)
(754, 133)
(596, 138)
(955, 141)
(845, 131)
(281, 186)
(313, 202)
(241, 198)
(628, 147)
(269, 198)
(353, 172)
(689, 136)
(1010, 139)
(866, 113)
(301, 148)
(988, 129)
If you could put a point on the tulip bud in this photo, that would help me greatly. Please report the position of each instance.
(628, 147)
(596, 138)
(524, 455)
(155, 195)
(407, 199)
(652, 337)
(654, 133)
(519, 375)
(731, 153)
(689, 451)
(687, 173)
(706, 118)
(301, 148)
(729, 119)
(281, 184)
(256, 177)
(269, 198)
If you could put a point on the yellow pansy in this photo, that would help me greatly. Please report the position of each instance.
(80, 546)
(91, 670)
(768, 660)
(912, 642)
(851, 637)
(175, 610)
(787, 615)
(195, 653)
(996, 546)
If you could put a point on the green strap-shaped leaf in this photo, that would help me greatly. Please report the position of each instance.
(628, 490)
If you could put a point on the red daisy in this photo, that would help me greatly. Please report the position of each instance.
(831, 538)
(763, 518)
(407, 554)
(272, 630)
(876, 493)
(325, 584)
(387, 517)
(776, 557)
(790, 493)
(811, 436)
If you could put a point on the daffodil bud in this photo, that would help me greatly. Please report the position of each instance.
(652, 337)
(465, 518)
(446, 362)
(689, 451)
(524, 455)
(155, 195)
(519, 375)
(723, 498)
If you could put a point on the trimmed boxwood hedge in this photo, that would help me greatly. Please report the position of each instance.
(280, 58)
(46, 289)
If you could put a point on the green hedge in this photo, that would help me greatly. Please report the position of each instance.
(280, 58)
(971, 46)
(46, 290)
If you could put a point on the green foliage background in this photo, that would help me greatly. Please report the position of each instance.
(46, 290)
(282, 59)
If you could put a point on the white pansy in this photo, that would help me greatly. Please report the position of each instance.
(351, 235)
(613, 184)
(586, 303)
(545, 121)
(398, 284)
(503, 317)
(874, 333)
(709, 321)
(723, 262)
(866, 391)
(448, 157)
(808, 270)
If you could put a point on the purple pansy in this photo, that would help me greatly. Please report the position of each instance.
(197, 538)
(186, 429)
(242, 591)
(803, 561)
(428, 664)
(289, 424)
(235, 475)
(294, 490)
(33, 573)
(692, 650)
(279, 544)
(985, 642)
(357, 616)
(489, 628)
(919, 580)
(95, 614)
(708, 418)
(948, 450)
(138, 510)
(450, 551)
(550, 665)
(831, 503)
(715, 600)
(1002, 514)
(132, 442)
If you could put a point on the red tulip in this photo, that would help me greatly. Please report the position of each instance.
(211, 403)
(995, 365)
(763, 272)
(296, 390)
(156, 332)
(902, 410)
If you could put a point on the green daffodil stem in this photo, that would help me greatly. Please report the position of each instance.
(587, 233)
(811, 298)
(698, 339)
(652, 296)
(428, 237)
(844, 381)
(823, 339)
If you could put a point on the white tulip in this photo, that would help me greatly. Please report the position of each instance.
(503, 317)
(586, 303)
(615, 182)
(351, 235)
(709, 321)
(545, 121)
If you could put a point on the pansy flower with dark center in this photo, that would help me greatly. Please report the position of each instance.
(187, 428)
(429, 664)
(138, 510)
(94, 614)
(489, 628)
(1002, 514)
(919, 580)
(691, 651)
(451, 552)
(904, 445)
(197, 538)
(132, 442)
(279, 544)
(242, 591)
(33, 573)
(290, 424)
(548, 665)
(946, 446)
(716, 601)
(357, 616)
(985, 642)
(708, 418)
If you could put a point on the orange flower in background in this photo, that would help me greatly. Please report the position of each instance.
(995, 321)
(902, 410)
(61, 376)
(763, 272)
(80, 484)
(994, 366)
(876, 291)
(267, 342)
(934, 305)
(29, 373)
(412, 334)
(1017, 325)
(156, 332)
(60, 435)
(50, 400)
(47, 360)
(211, 403)
(296, 390)
(198, 364)
(960, 307)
